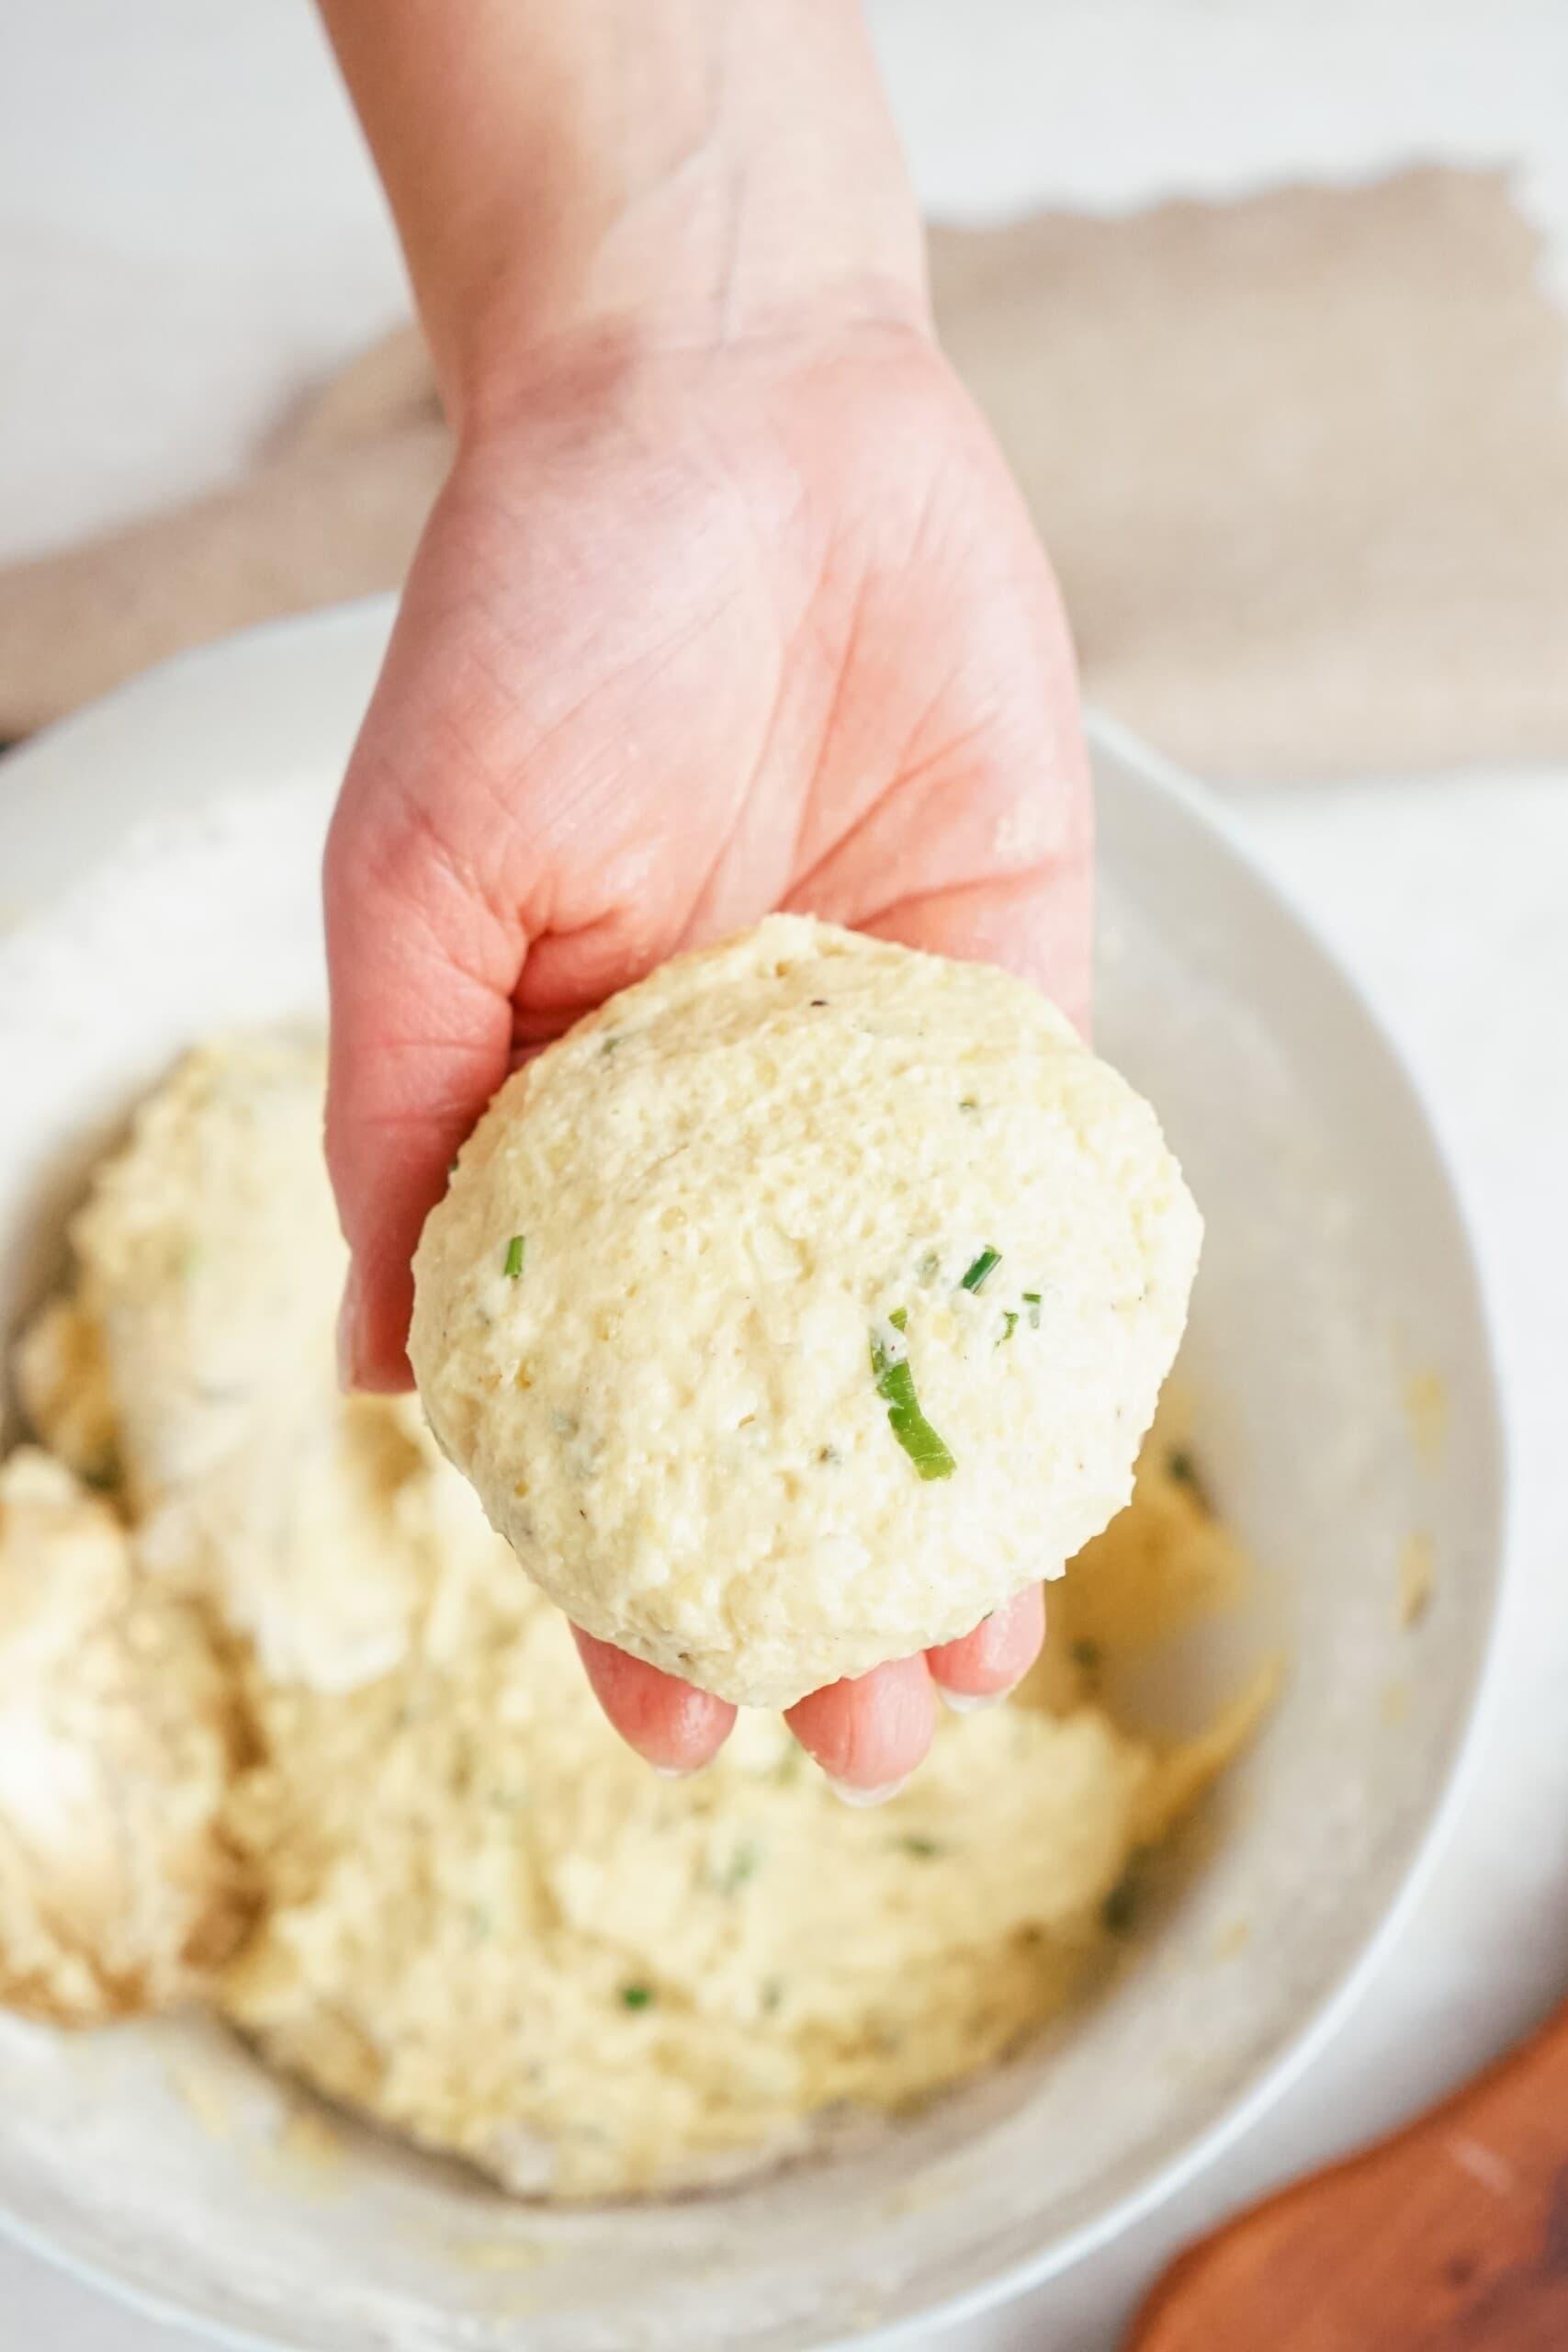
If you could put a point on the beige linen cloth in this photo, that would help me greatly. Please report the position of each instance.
(1300, 459)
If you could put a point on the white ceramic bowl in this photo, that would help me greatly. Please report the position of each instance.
(159, 2160)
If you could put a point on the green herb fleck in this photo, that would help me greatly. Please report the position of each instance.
(1088, 1654)
(896, 1384)
(608, 1045)
(968, 1104)
(513, 1265)
(1180, 1466)
(928, 1267)
(741, 1865)
(637, 1997)
(899, 1318)
(1010, 1324)
(1032, 1300)
(983, 1264)
(1119, 1911)
(925, 1849)
(829, 1453)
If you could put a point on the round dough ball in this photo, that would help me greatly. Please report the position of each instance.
(802, 1305)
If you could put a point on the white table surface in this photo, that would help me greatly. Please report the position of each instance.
(188, 233)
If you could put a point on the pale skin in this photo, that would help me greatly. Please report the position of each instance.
(729, 604)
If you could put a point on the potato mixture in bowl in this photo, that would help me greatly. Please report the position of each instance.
(319, 1754)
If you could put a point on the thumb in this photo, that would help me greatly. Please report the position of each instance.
(420, 969)
(1038, 925)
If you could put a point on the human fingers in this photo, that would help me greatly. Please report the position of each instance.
(984, 1665)
(870, 1731)
(675, 1727)
(1038, 925)
(422, 964)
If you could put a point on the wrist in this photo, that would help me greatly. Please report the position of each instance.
(593, 348)
(728, 174)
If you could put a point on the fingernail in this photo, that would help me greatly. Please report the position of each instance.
(859, 1798)
(972, 1702)
(348, 1333)
(673, 1771)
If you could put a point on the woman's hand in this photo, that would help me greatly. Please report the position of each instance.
(729, 604)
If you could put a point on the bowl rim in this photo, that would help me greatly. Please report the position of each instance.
(367, 621)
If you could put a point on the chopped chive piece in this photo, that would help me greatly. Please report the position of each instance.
(928, 1267)
(982, 1266)
(1087, 1655)
(741, 1866)
(926, 1848)
(896, 1384)
(637, 1997)
(899, 1318)
(1032, 1300)
(607, 1044)
(512, 1265)
(1010, 1324)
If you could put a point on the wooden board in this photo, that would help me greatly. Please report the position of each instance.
(1450, 2237)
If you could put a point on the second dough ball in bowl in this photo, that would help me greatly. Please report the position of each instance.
(803, 1304)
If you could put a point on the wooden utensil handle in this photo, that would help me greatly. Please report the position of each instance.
(1452, 2236)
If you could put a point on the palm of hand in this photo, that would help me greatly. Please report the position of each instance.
(687, 640)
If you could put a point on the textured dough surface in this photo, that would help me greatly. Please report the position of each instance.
(470, 1912)
(118, 1888)
(209, 1270)
(647, 1308)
